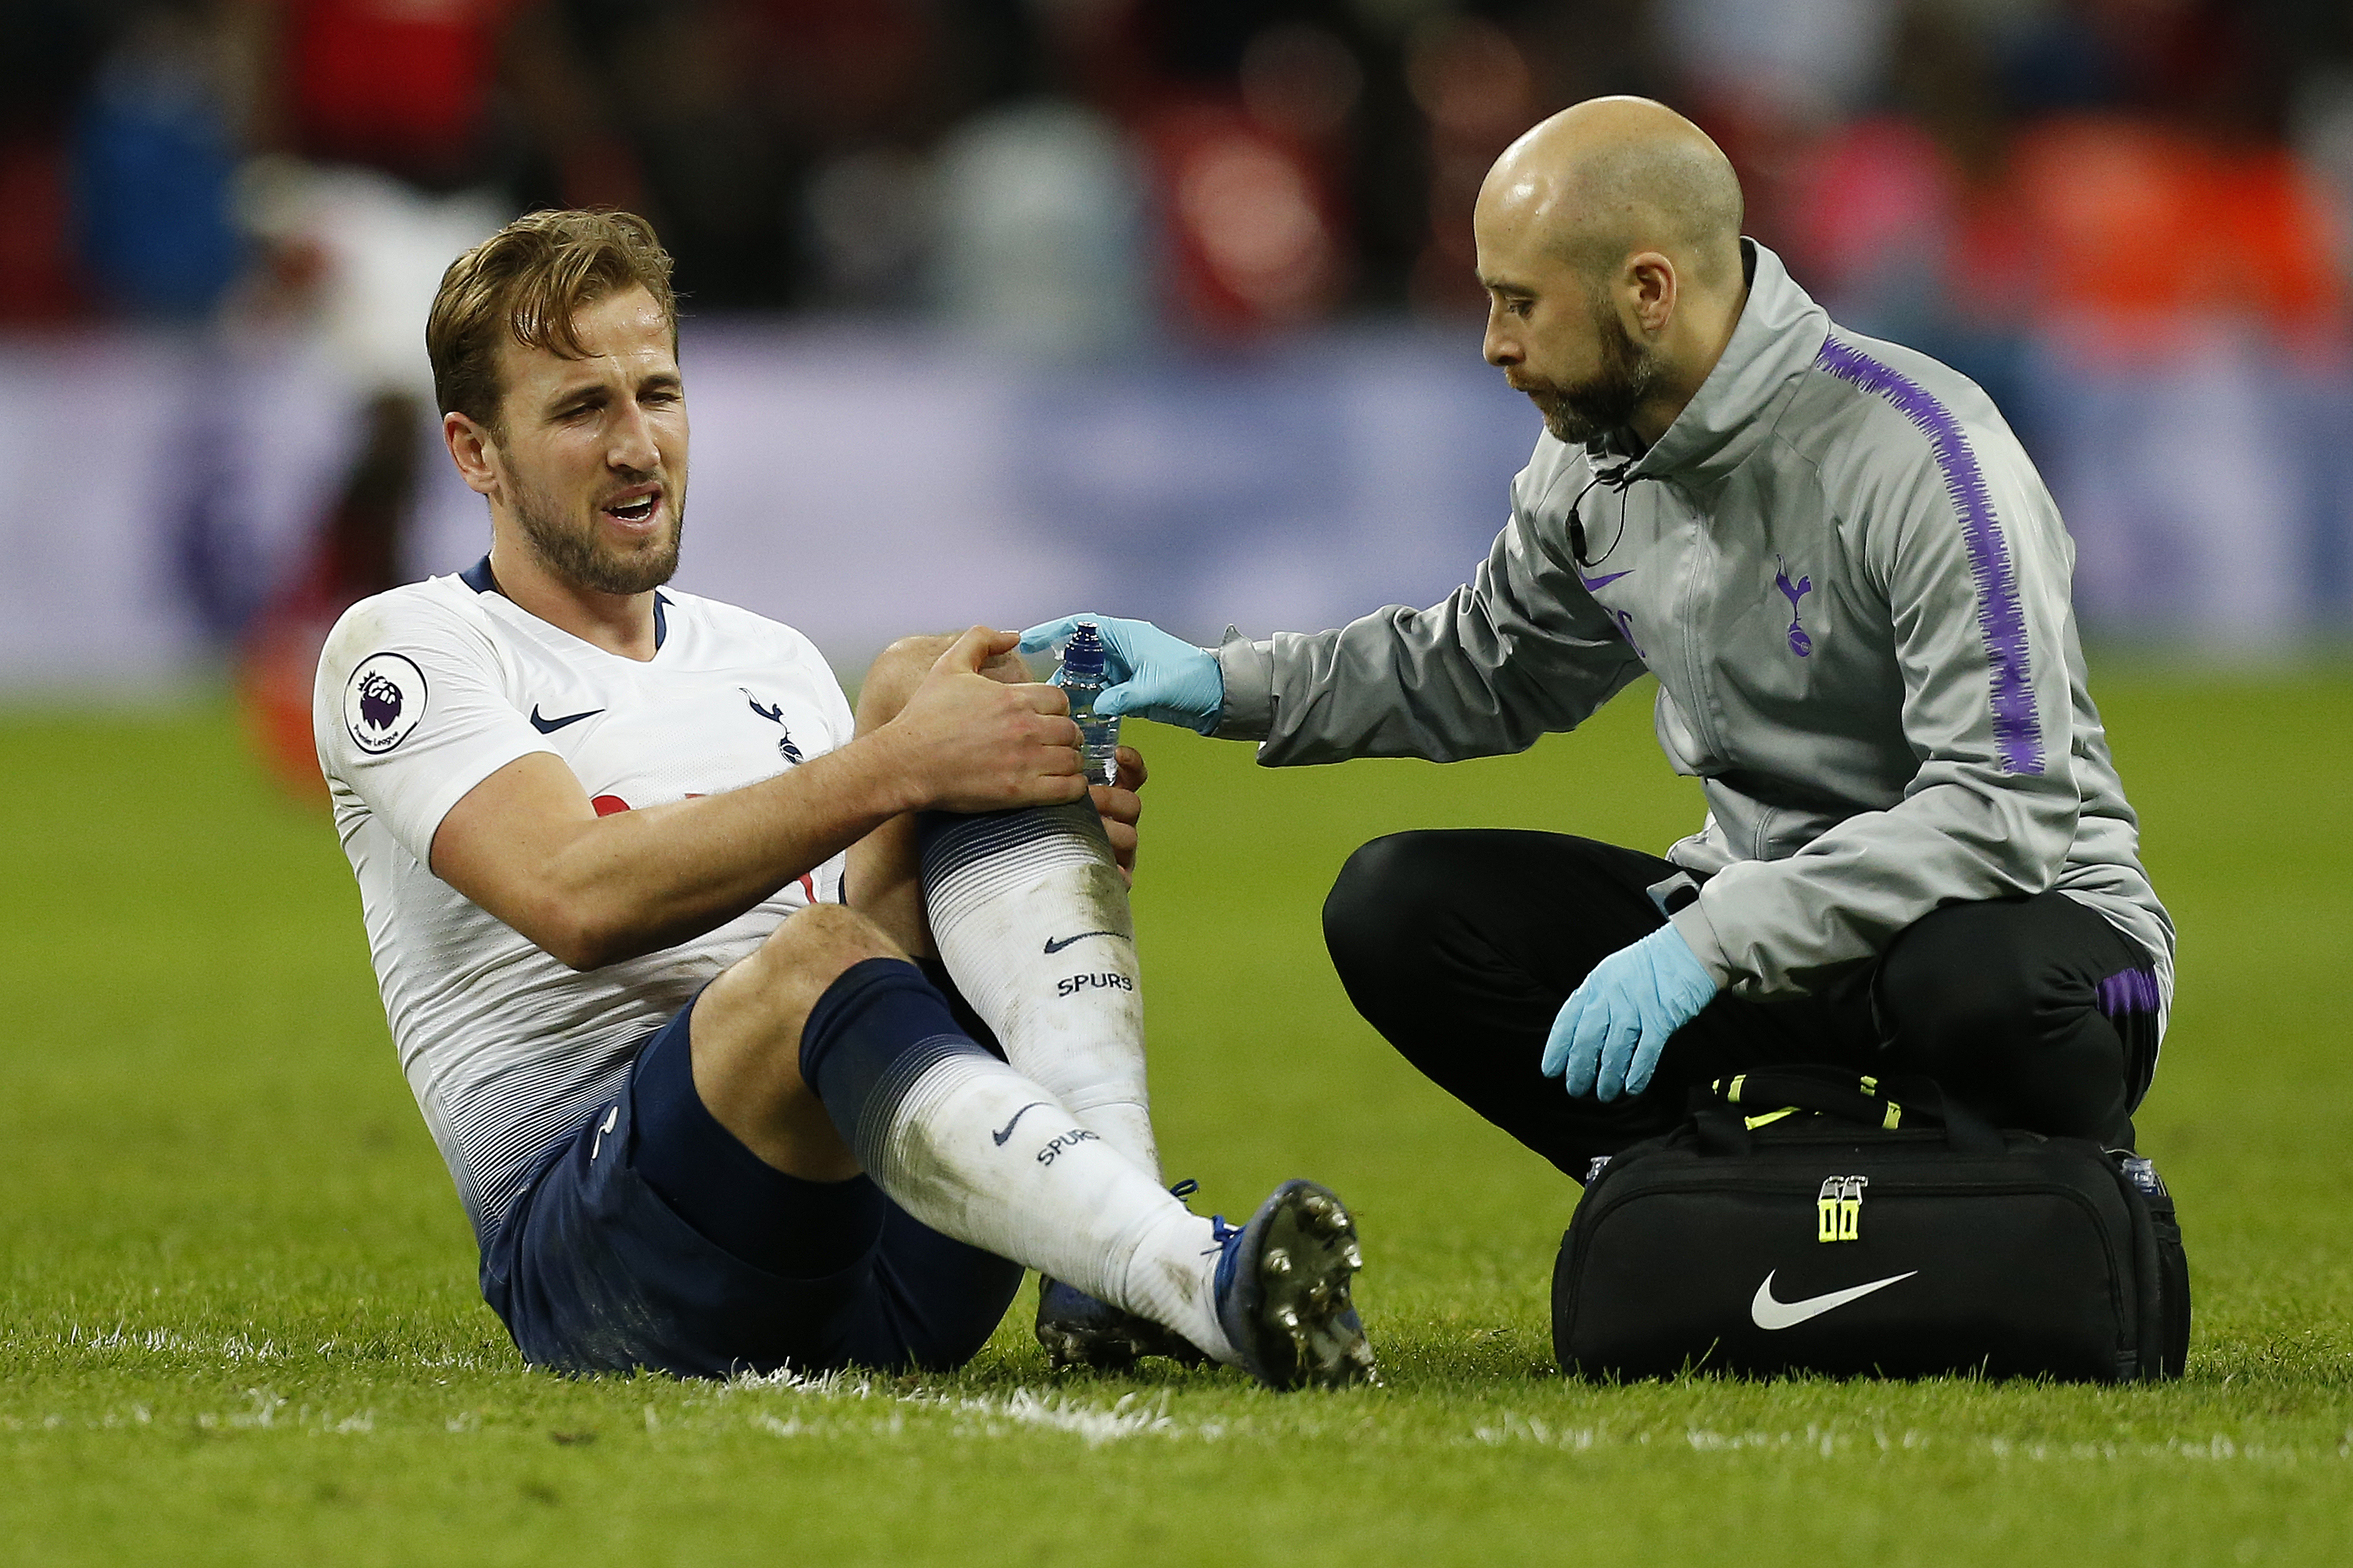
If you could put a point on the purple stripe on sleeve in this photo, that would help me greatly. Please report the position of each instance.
(2129, 991)
(2018, 735)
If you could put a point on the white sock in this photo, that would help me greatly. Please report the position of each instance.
(978, 1152)
(1032, 921)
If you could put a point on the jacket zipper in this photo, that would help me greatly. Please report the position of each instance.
(1702, 708)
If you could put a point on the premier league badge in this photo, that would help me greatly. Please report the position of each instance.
(383, 701)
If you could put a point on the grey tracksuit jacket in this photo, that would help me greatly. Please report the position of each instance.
(1853, 590)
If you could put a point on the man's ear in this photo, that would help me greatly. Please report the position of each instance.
(475, 451)
(1656, 287)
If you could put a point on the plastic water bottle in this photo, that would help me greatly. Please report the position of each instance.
(1083, 681)
(2142, 1174)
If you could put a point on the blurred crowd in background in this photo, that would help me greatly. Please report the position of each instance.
(1079, 173)
(1191, 278)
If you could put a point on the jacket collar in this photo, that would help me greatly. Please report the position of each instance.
(1780, 332)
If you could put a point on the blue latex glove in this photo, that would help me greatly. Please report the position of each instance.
(1609, 1034)
(1148, 672)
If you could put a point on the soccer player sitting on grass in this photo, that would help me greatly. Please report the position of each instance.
(665, 937)
(1853, 591)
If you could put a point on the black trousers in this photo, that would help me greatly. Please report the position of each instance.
(1460, 946)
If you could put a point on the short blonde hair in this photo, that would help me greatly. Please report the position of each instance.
(523, 285)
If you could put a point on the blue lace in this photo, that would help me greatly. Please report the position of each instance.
(1221, 1232)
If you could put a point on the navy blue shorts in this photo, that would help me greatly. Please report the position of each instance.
(593, 1270)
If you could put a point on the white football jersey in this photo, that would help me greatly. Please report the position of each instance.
(425, 691)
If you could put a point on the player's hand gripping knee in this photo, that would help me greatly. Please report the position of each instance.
(1121, 809)
(1153, 675)
(973, 743)
(1608, 1035)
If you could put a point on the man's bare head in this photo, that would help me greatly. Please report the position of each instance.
(1610, 248)
(1610, 177)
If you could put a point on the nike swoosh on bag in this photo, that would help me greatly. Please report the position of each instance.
(550, 726)
(1770, 1314)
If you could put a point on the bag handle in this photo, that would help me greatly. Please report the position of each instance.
(1728, 1111)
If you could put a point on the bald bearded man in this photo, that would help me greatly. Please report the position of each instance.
(1853, 590)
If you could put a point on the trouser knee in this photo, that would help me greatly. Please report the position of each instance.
(1375, 916)
(1458, 944)
(1951, 1001)
(1997, 1001)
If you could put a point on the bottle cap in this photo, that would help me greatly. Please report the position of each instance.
(1083, 655)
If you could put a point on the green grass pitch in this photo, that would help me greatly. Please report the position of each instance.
(238, 1321)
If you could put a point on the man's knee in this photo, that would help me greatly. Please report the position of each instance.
(786, 975)
(749, 1020)
(894, 676)
(817, 933)
(898, 669)
(1986, 999)
(1377, 914)
(747, 1038)
(1960, 980)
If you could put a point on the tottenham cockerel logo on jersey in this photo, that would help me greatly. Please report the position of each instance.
(773, 712)
(383, 701)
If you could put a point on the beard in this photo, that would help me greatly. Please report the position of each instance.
(1606, 402)
(573, 552)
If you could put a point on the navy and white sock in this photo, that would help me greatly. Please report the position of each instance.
(1032, 918)
(978, 1152)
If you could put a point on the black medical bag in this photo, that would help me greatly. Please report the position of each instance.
(1809, 1219)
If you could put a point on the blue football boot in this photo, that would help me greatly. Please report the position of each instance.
(1076, 1330)
(1282, 1285)
(1079, 1330)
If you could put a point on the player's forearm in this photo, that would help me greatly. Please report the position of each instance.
(526, 845)
(641, 880)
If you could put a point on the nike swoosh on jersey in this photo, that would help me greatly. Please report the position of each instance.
(1055, 945)
(550, 726)
(1770, 1314)
(1593, 582)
